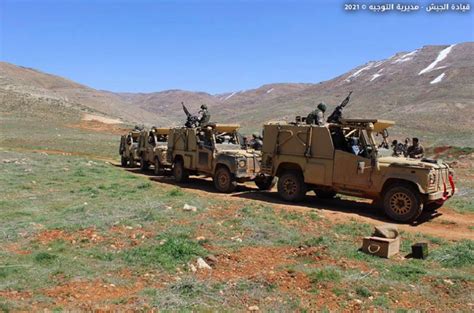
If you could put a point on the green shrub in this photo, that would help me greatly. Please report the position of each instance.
(45, 257)
(172, 251)
(363, 291)
(324, 275)
(176, 192)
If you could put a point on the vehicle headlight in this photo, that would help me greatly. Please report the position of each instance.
(242, 163)
(432, 178)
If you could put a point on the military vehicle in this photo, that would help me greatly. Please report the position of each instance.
(344, 158)
(128, 149)
(152, 150)
(215, 150)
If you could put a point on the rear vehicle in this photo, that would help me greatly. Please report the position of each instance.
(216, 151)
(344, 158)
(152, 150)
(128, 149)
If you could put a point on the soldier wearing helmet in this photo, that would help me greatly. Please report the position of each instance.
(205, 116)
(316, 117)
(256, 142)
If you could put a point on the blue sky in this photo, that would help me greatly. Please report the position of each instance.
(212, 46)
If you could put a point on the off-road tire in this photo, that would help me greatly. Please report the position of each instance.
(157, 168)
(402, 203)
(123, 161)
(144, 165)
(291, 186)
(224, 181)
(266, 183)
(432, 206)
(180, 174)
(324, 194)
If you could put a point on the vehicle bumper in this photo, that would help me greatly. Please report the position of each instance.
(445, 194)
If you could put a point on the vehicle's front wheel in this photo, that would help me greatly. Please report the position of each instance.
(291, 186)
(157, 170)
(402, 203)
(123, 161)
(180, 174)
(144, 165)
(224, 181)
(265, 182)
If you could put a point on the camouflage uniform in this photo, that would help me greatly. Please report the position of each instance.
(205, 116)
(416, 151)
(256, 143)
(317, 116)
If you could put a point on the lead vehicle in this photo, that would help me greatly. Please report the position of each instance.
(215, 150)
(344, 158)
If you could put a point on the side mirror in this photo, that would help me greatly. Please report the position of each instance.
(360, 167)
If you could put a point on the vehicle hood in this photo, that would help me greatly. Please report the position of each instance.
(241, 153)
(412, 163)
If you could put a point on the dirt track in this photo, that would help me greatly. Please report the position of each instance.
(445, 223)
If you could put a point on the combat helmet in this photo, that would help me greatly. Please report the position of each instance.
(322, 106)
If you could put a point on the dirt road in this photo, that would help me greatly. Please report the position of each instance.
(445, 223)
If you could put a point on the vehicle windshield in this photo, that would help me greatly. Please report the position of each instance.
(356, 140)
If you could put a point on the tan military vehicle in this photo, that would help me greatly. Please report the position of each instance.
(152, 150)
(215, 150)
(344, 158)
(128, 149)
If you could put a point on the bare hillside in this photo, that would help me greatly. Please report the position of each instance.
(428, 91)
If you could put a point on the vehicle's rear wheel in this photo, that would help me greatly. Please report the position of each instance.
(432, 206)
(123, 161)
(291, 186)
(144, 165)
(324, 193)
(402, 203)
(224, 181)
(265, 182)
(180, 174)
(157, 170)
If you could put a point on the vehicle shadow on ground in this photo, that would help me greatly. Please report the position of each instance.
(350, 206)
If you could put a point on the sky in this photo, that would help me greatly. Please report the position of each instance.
(211, 46)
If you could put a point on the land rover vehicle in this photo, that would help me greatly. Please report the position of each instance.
(128, 149)
(215, 150)
(152, 149)
(344, 158)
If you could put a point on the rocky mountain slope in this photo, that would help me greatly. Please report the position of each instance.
(428, 91)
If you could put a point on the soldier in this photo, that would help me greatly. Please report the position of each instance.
(317, 116)
(205, 116)
(256, 143)
(415, 151)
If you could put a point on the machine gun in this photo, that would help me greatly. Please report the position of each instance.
(336, 115)
(191, 120)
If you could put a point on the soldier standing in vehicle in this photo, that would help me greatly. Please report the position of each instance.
(205, 115)
(415, 151)
(316, 117)
(256, 143)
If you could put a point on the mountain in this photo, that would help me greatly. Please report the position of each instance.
(428, 92)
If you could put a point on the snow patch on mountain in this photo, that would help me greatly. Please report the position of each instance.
(441, 56)
(230, 96)
(270, 90)
(404, 58)
(438, 79)
(369, 66)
